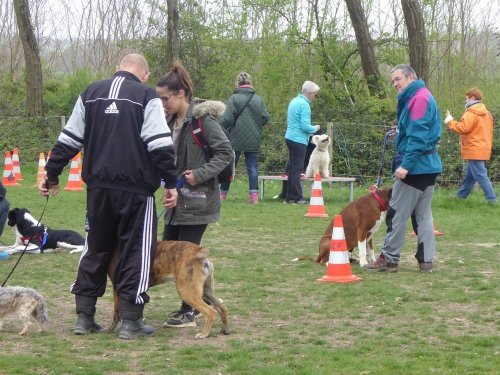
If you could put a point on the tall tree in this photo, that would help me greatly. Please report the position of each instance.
(34, 80)
(417, 40)
(173, 46)
(365, 45)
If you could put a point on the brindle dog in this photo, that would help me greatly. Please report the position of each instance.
(187, 264)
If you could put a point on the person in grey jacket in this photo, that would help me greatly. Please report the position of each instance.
(244, 118)
(198, 202)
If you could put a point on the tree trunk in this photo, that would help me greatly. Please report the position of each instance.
(34, 80)
(173, 42)
(417, 42)
(365, 45)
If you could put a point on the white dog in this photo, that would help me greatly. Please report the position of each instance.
(320, 158)
(25, 303)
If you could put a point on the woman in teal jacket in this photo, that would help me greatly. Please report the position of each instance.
(297, 135)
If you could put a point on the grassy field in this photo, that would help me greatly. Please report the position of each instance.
(282, 320)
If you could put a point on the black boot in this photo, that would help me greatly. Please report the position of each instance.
(131, 329)
(85, 308)
(133, 325)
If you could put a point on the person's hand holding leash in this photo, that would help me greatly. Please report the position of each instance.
(45, 186)
(400, 173)
(169, 198)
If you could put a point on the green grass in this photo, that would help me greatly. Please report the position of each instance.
(282, 320)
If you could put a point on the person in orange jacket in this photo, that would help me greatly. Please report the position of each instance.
(476, 141)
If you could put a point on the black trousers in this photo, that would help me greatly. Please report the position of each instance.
(296, 156)
(124, 223)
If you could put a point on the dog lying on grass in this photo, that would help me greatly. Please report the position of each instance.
(187, 264)
(26, 303)
(41, 238)
(361, 219)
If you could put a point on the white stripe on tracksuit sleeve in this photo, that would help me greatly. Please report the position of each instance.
(75, 125)
(154, 125)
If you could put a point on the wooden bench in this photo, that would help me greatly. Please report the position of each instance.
(350, 180)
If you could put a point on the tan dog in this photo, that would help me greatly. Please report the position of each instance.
(361, 219)
(187, 264)
(320, 158)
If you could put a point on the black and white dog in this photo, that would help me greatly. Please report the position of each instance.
(41, 238)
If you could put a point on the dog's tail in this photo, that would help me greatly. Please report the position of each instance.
(41, 310)
(303, 258)
(210, 297)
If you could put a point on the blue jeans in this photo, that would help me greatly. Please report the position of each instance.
(476, 172)
(251, 158)
(295, 165)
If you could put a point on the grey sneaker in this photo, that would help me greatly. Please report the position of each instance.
(85, 324)
(179, 319)
(301, 201)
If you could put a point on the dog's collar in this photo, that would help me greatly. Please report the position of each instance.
(381, 203)
(41, 238)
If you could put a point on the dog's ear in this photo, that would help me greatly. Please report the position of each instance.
(315, 139)
(12, 217)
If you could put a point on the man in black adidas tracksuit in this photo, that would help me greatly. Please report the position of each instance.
(128, 149)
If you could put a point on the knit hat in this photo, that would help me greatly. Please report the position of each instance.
(243, 79)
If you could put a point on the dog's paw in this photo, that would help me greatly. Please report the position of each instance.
(200, 335)
(295, 259)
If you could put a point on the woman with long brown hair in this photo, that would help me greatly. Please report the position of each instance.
(198, 202)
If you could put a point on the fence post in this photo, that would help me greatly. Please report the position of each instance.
(63, 122)
(329, 132)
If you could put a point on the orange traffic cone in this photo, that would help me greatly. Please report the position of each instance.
(436, 232)
(316, 205)
(41, 169)
(80, 163)
(9, 179)
(16, 165)
(339, 267)
(74, 181)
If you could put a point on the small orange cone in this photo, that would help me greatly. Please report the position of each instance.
(16, 165)
(80, 163)
(316, 205)
(436, 232)
(9, 179)
(41, 169)
(74, 180)
(339, 267)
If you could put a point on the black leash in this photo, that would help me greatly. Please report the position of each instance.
(385, 147)
(26, 247)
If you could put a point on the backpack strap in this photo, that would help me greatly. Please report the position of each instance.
(240, 112)
(199, 136)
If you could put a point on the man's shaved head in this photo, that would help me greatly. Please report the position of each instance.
(135, 64)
